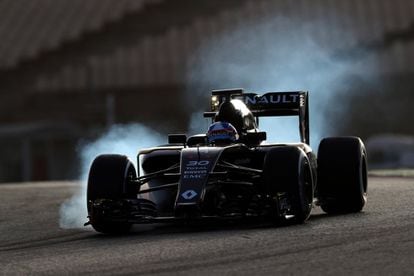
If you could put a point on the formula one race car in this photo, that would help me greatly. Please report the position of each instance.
(230, 172)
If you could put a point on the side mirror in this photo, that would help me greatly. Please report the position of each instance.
(199, 139)
(177, 139)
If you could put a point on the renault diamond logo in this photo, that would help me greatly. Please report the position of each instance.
(189, 194)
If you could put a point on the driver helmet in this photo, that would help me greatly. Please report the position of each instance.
(222, 132)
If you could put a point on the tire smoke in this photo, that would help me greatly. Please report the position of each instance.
(280, 54)
(119, 139)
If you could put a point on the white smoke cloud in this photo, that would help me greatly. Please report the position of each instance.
(279, 54)
(119, 139)
(198, 124)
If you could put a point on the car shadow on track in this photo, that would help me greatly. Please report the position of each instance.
(319, 216)
(168, 229)
(163, 229)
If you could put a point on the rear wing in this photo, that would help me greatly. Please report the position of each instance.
(293, 103)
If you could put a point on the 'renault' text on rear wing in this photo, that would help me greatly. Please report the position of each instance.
(292, 103)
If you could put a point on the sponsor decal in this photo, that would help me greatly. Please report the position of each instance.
(196, 166)
(189, 194)
(271, 98)
(196, 169)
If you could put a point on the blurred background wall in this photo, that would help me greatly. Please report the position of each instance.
(69, 69)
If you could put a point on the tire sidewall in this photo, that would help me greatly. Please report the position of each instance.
(287, 170)
(342, 174)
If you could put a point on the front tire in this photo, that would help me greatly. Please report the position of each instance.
(287, 176)
(109, 180)
(342, 175)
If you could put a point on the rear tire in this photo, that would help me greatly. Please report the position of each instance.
(342, 175)
(108, 179)
(287, 171)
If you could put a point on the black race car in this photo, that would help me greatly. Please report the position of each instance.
(231, 172)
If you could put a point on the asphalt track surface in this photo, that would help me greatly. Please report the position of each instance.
(378, 241)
